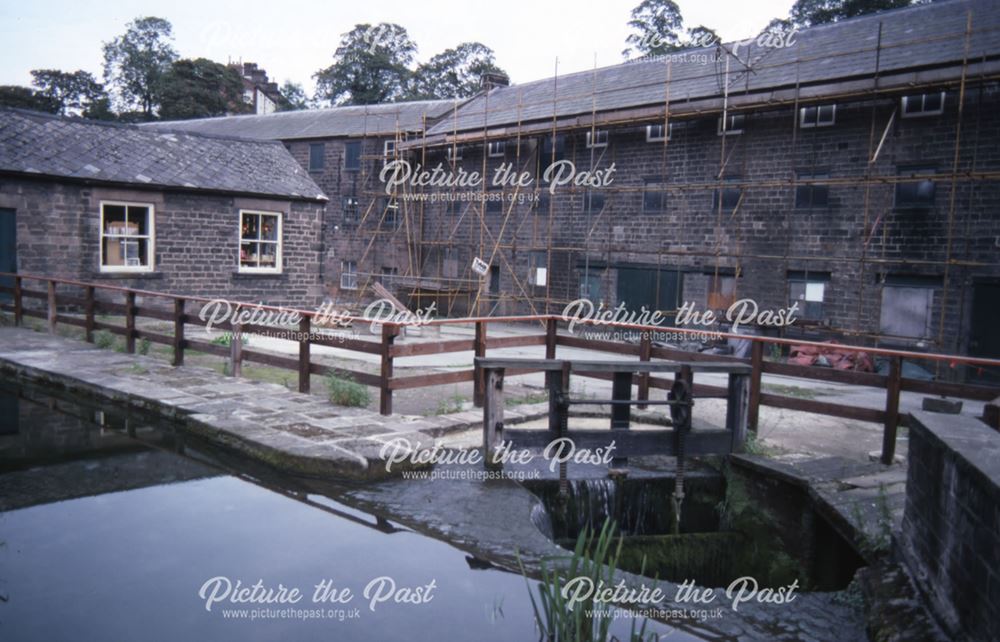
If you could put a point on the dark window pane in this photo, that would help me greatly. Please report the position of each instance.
(653, 198)
(932, 102)
(593, 202)
(352, 155)
(317, 156)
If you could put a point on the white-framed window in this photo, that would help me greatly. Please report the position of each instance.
(658, 133)
(389, 149)
(597, 138)
(538, 273)
(260, 242)
(918, 105)
(731, 124)
(351, 208)
(496, 149)
(809, 291)
(454, 153)
(817, 116)
(348, 275)
(127, 236)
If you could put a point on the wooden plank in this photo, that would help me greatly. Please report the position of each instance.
(430, 347)
(621, 414)
(612, 366)
(130, 322)
(551, 337)
(823, 408)
(493, 406)
(645, 352)
(150, 312)
(420, 381)
(661, 352)
(89, 314)
(236, 351)
(951, 389)
(389, 333)
(628, 443)
(822, 374)
(28, 312)
(110, 327)
(179, 320)
(756, 370)
(479, 349)
(70, 320)
(211, 348)
(615, 347)
(34, 294)
(51, 306)
(18, 302)
(891, 410)
(155, 337)
(364, 378)
(354, 345)
(737, 409)
(276, 361)
(516, 341)
(304, 332)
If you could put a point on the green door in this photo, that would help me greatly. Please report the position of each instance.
(652, 288)
(8, 250)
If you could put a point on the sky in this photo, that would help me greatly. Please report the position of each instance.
(291, 40)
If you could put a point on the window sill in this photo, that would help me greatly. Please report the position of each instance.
(98, 274)
(257, 275)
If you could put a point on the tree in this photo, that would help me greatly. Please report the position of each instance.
(200, 88)
(134, 63)
(453, 73)
(656, 29)
(74, 92)
(293, 97)
(371, 65)
(27, 98)
(701, 36)
(806, 13)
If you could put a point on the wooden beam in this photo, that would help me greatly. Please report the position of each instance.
(891, 410)
(305, 329)
(130, 321)
(756, 370)
(178, 332)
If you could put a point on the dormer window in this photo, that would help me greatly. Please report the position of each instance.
(658, 133)
(389, 149)
(597, 138)
(817, 116)
(731, 124)
(454, 153)
(919, 105)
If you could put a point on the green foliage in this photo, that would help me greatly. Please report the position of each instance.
(27, 98)
(200, 88)
(806, 13)
(104, 339)
(293, 97)
(451, 404)
(453, 73)
(75, 92)
(656, 28)
(583, 621)
(371, 65)
(345, 391)
(877, 541)
(144, 344)
(135, 62)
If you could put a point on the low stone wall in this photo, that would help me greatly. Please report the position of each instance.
(950, 538)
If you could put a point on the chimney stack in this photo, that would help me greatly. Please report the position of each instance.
(493, 79)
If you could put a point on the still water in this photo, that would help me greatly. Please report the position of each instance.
(107, 539)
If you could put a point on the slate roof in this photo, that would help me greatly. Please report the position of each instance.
(360, 120)
(43, 144)
(917, 38)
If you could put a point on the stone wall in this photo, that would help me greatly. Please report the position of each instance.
(197, 241)
(950, 538)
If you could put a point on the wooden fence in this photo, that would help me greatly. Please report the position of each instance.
(178, 310)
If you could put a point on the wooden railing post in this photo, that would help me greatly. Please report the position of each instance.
(88, 322)
(478, 381)
(551, 327)
(18, 302)
(645, 354)
(738, 401)
(236, 350)
(756, 370)
(493, 404)
(389, 333)
(52, 307)
(130, 321)
(304, 332)
(178, 332)
(893, 386)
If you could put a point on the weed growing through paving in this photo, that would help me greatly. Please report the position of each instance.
(104, 339)
(345, 391)
(226, 340)
(448, 405)
(143, 347)
(879, 540)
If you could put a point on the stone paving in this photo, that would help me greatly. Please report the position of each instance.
(295, 432)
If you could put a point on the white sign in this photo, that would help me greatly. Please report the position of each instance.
(480, 266)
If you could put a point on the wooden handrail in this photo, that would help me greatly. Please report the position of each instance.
(388, 350)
